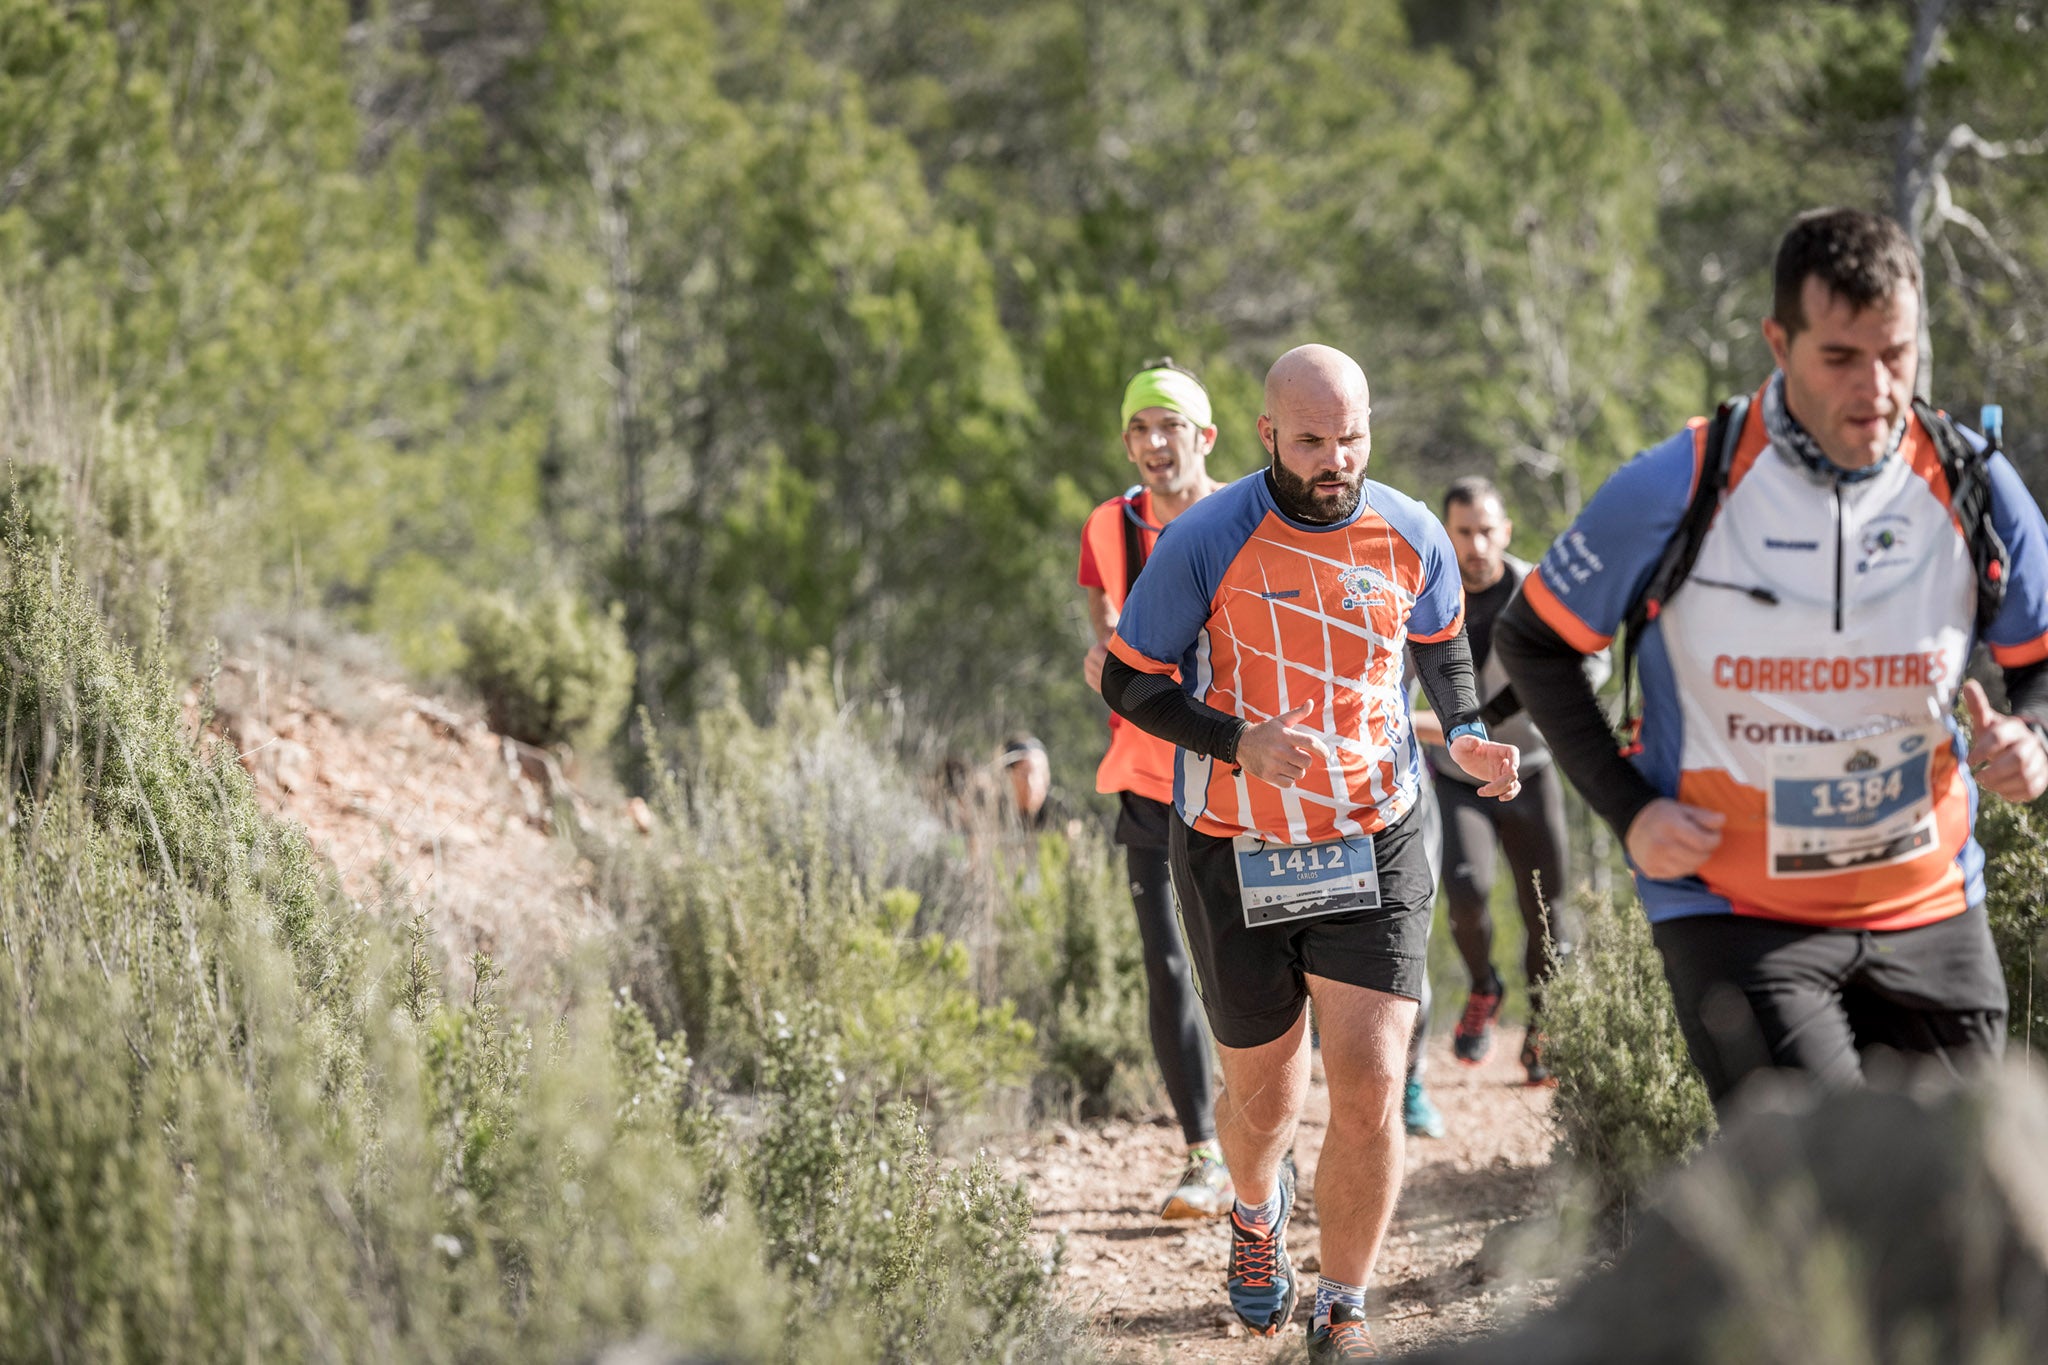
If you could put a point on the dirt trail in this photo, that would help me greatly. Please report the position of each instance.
(1155, 1290)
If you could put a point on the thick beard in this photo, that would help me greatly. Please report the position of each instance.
(1299, 500)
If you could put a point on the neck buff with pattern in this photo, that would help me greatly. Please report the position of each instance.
(1798, 443)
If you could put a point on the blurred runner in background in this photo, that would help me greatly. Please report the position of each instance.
(1531, 828)
(1167, 434)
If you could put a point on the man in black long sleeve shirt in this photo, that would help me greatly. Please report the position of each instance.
(1284, 604)
(1797, 810)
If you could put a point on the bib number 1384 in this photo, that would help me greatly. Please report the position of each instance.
(1855, 803)
(1847, 796)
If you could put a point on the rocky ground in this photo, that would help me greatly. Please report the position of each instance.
(1155, 1292)
(420, 807)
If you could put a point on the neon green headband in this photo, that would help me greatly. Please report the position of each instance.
(1167, 389)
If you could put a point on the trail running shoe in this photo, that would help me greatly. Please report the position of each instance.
(1420, 1117)
(1204, 1190)
(1533, 1044)
(1473, 1038)
(1346, 1337)
(1260, 1279)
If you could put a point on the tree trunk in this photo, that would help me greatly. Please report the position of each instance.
(629, 427)
(1911, 182)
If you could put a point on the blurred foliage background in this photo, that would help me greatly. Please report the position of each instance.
(784, 327)
(719, 386)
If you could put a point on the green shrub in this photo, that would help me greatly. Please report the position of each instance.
(183, 1184)
(232, 1126)
(936, 1261)
(2016, 902)
(1629, 1102)
(790, 868)
(1074, 963)
(796, 861)
(550, 671)
(97, 479)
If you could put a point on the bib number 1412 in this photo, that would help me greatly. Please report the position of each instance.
(1318, 858)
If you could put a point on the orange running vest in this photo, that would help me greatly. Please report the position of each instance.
(1137, 762)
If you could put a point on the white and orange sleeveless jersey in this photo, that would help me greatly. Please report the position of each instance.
(1803, 679)
(1259, 613)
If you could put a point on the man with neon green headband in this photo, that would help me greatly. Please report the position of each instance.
(1168, 434)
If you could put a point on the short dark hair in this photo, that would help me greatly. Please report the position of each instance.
(1470, 491)
(1861, 258)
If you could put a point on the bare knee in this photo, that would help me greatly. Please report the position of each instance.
(1266, 1110)
(1368, 1093)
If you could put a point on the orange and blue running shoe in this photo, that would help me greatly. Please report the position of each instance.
(1260, 1279)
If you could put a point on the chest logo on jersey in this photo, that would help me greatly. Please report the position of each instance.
(1364, 586)
(1885, 543)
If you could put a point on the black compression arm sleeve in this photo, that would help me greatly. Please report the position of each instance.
(1550, 678)
(1445, 669)
(2026, 691)
(1157, 705)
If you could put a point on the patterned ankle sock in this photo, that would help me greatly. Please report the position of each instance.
(1329, 1291)
(1257, 1216)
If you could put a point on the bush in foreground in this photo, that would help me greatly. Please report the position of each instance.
(235, 1124)
(1629, 1102)
(2016, 903)
(220, 1137)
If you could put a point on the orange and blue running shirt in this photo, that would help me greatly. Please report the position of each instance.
(1135, 762)
(1817, 716)
(1260, 613)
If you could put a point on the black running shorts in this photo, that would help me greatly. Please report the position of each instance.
(1252, 980)
(1756, 994)
(1144, 823)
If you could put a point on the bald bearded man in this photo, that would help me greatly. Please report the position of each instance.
(1286, 602)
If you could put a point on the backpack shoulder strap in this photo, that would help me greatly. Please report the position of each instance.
(1682, 551)
(1134, 539)
(1968, 471)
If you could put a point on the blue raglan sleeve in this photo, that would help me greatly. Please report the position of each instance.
(1584, 584)
(1439, 611)
(1173, 597)
(2018, 635)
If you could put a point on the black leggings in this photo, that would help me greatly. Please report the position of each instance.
(1532, 833)
(1180, 1038)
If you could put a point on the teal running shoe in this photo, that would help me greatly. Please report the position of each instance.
(1418, 1114)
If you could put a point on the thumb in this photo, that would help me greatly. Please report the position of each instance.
(1706, 817)
(1981, 713)
(1297, 714)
